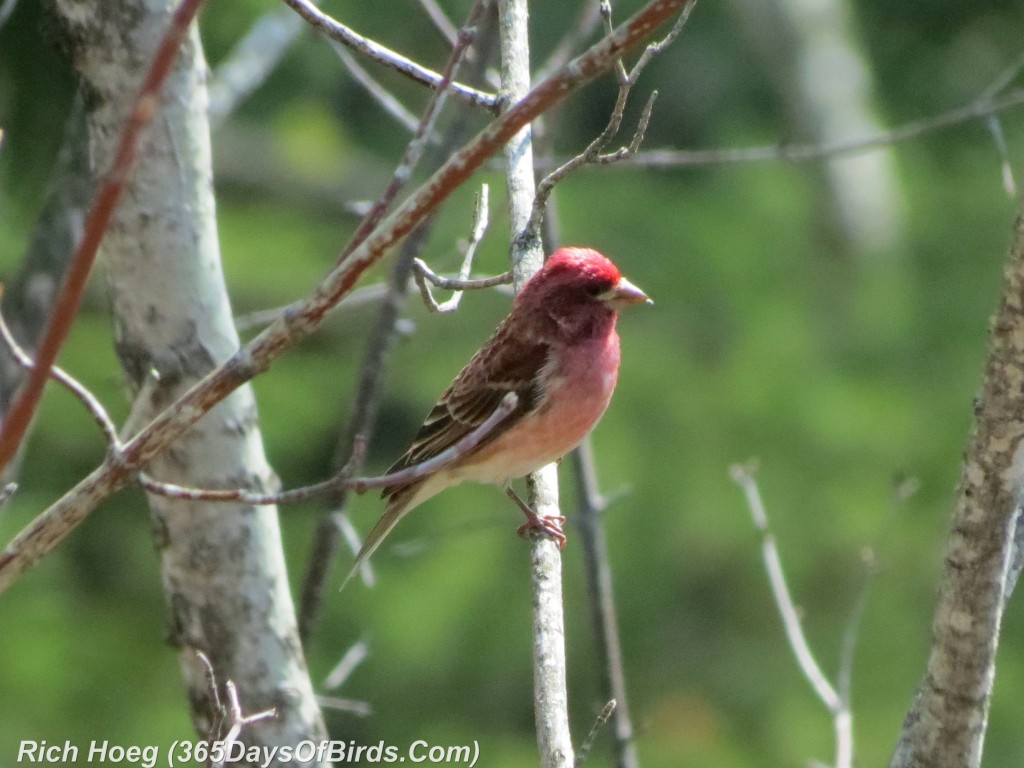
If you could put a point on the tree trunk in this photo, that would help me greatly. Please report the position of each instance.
(223, 567)
(945, 727)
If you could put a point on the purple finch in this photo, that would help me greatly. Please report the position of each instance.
(559, 353)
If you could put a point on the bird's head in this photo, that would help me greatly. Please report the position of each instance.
(579, 288)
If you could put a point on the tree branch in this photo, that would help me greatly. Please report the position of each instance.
(947, 722)
(335, 30)
(550, 694)
(100, 213)
(838, 706)
(303, 317)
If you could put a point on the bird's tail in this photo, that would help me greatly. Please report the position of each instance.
(399, 504)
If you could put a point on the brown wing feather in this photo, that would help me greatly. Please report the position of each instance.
(503, 365)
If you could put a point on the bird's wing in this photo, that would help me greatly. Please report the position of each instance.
(504, 364)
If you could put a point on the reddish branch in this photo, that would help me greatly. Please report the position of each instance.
(304, 317)
(70, 297)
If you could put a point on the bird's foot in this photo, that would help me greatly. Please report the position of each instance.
(548, 526)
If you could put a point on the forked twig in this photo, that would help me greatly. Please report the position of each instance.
(87, 398)
(424, 275)
(837, 705)
(594, 153)
(232, 713)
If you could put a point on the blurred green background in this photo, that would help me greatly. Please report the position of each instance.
(844, 371)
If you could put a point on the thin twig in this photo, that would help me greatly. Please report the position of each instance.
(588, 743)
(424, 129)
(98, 219)
(842, 721)
(49, 528)
(335, 30)
(805, 153)
(353, 657)
(591, 505)
(335, 527)
(342, 481)
(238, 722)
(594, 154)
(250, 62)
(88, 399)
(422, 273)
(351, 706)
(439, 19)
(456, 284)
(387, 100)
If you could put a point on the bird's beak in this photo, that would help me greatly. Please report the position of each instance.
(623, 295)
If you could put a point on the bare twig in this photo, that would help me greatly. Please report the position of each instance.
(842, 720)
(805, 153)
(341, 481)
(591, 505)
(353, 657)
(422, 273)
(335, 30)
(232, 713)
(439, 19)
(594, 152)
(588, 743)
(387, 101)
(88, 399)
(238, 722)
(335, 527)
(45, 532)
(457, 284)
(352, 706)
(100, 213)
(424, 129)
(250, 62)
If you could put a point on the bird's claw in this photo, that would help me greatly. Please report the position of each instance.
(547, 526)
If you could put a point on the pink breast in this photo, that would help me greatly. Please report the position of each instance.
(577, 394)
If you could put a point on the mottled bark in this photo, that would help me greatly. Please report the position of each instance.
(946, 725)
(222, 565)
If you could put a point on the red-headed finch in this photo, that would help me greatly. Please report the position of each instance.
(559, 353)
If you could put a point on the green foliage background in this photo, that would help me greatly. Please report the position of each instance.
(843, 374)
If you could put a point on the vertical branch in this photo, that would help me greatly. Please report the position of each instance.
(602, 601)
(590, 507)
(946, 724)
(551, 700)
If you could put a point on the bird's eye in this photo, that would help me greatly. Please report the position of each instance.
(595, 289)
